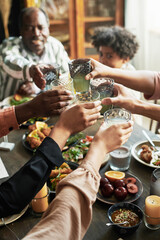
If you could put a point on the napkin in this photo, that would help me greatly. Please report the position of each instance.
(3, 171)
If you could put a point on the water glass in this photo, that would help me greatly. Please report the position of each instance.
(79, 68)
(105, 87)
(155, 182)
(116, 115)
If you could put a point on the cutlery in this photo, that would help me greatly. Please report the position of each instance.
(110, 224)
(148, 138)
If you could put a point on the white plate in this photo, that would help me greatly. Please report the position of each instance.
(14, 217)
(136, 149)
(6, 101)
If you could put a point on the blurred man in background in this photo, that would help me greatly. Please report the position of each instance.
(21, 57)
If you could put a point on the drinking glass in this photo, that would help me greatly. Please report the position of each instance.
(88, 97)
(51, 74)
(64, 82)
(155, 182)
(151, 222)
(116, 115)
(79, 68)
(105, 87)
(40, 202)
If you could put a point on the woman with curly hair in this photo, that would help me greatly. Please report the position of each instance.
(116, 46)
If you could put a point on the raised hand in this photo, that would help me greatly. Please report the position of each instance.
(122, 98)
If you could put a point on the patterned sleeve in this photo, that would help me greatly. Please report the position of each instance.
(12, 61)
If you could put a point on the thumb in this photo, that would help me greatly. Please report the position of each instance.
(107, 101)
(90, 75)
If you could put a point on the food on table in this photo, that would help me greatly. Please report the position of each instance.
(75, 138)
(146, 153)
(149, 156)
(58, 174)
(114, 175)
(103, 181)
(38, 132)
(120, 193)
(122, 214)
(119, 183)
(132, 188)
(107, 190)
(130, 180)
(77, 153)
(119, 188)
(18, 99)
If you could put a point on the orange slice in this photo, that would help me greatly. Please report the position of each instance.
(33, 133)
(40, 125)
(114, 175)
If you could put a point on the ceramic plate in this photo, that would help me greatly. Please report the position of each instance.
(52, 193)
(14, 217)
(129, 198)
(28, 147)
(136, 150)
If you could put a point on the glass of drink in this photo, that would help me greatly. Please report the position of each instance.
(105, 87)
(51, 73)
(79, 68)
(116, 115)
(88, 97)
(155, 182)
(64, 82)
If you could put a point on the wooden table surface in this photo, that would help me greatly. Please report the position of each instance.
(97, 231)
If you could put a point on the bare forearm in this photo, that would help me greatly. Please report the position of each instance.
(140, 80)
(24, 112)
(96, 154)
(148, 110)
(60, 135)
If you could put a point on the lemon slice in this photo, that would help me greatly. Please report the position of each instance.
(40, 125)
(114, 175)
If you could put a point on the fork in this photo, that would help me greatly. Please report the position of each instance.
(148, 138)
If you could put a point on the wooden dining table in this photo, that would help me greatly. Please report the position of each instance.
(98, 230)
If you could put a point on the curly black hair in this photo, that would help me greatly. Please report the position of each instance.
(122, 42)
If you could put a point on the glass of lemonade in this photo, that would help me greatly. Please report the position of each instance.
(116, 115)
(105, 87)
(79, 68)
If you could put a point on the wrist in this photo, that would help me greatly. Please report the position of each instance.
(60, 134)
(96, 153)
(23, 112)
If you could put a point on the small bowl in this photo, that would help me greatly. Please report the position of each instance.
(121, 229)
